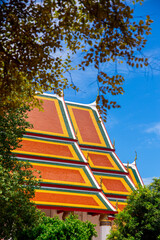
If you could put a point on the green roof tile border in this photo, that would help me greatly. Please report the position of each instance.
(135, 175)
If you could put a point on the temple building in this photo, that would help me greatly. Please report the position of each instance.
(80, 170)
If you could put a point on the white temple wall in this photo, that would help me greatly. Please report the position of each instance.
(104, 231)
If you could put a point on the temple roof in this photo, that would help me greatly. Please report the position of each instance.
(134, 174)
(80, 170)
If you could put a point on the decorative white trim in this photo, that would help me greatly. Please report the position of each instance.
(80, 152)
(81, 104)
(119, 161)
(68, 119)
(53, 95)
(93, 105)
(131, 182)
(51, 163)
(115, 199)
(92, 176)
(104, 129)
(48, 94)
(106, 200)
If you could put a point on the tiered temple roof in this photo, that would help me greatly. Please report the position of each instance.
(80, 170)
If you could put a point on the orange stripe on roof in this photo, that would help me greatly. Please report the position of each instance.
(46, 148)
(61, 174)
(100, 160)
(121, 207)
(114, 185)
(51, 149)
(62, 198)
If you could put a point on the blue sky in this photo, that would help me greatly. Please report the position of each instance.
(136, 125)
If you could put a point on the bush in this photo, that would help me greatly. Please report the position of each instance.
(55, 229)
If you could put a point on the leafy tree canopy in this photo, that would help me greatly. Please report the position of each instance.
(35, 34)
(16, 209)
(13, 123)
(17, 180)
(55, 229)
(140, 219)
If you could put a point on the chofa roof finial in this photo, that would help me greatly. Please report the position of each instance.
(114, 143)
(135, 158)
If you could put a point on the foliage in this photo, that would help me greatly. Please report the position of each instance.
(17, 180)
(140, 220)
(13, 123)
(155, 185)
(55, 229)
(39, 38)
(16, 210)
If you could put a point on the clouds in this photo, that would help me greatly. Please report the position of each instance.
(155, 128)
(147, 181)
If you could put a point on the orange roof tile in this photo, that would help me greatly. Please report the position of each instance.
(87, 126)
(103, 160)
(48, 148)
(64, 174)
(115, 184)
(72, 199)
(51, 120)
